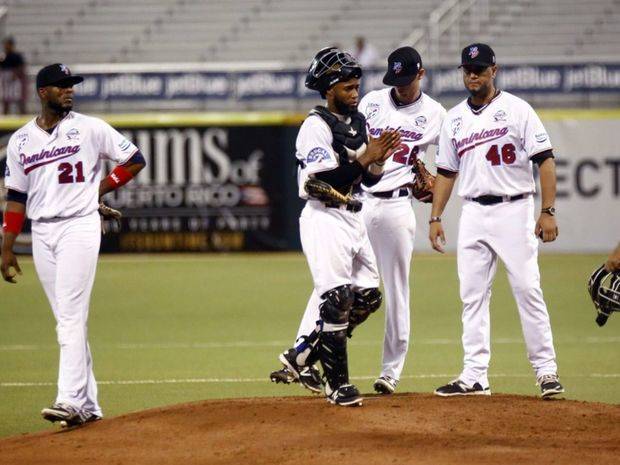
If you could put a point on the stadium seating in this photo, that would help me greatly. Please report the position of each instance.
(289, 31)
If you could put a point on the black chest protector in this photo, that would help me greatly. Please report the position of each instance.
(351, 136)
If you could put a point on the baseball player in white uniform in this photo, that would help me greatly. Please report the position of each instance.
(53, 173)
(491, 141)
(387, 212)
(332, 147)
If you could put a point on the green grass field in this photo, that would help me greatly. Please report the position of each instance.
(175, 328)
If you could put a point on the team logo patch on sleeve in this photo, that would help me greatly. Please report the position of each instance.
(7, 171)
(73, 134)
(456, 125)
(540, 138)
(371, 110)
(21, 141)
(317, 154)
(500, 115)
(420, 121)
(124, 145)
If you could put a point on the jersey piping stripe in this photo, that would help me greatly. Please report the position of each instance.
(38, 165)
(466, 149)
(484, 107)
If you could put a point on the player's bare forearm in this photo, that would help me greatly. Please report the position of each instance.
(613, 261)
(107, 185)
(9, 238)
(546, 226)
(8, 257)
(547, 183)
(444, 183)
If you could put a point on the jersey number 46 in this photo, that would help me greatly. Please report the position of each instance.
(507, 157)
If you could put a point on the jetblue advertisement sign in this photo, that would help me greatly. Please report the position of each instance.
(443, 81)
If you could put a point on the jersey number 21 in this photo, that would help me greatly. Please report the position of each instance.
(65, 173)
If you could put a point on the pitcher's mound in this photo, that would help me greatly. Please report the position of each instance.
(400, 429)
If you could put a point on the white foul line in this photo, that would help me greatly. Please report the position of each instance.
(265, 379)
(250, 344)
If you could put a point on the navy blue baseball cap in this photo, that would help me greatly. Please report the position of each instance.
(404, 64)
(477, 55)
(56, 74)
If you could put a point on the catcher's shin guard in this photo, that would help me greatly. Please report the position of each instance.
(332, 347)
(333, 356)
(366, 302)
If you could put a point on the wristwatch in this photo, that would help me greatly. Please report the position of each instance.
(435, 219)
(548, 211)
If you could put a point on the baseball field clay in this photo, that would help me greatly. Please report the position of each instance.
(400, 429)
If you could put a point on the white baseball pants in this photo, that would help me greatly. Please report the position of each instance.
(65, 255)
(391, 227)
(337, 248)
(504, 231)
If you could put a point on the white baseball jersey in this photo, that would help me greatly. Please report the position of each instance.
(418, 123)
(491, 148)
(61, 171)
(314, 150)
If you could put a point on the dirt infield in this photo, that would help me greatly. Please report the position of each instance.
(401, 429)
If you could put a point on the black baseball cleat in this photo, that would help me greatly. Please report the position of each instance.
(283, 376)
(550, 386)
(308, 377)
(385, 385)
(346, 395)
(459, 388)
(67, 415)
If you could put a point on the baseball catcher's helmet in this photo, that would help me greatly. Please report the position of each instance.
(604, 288)
(330, 66)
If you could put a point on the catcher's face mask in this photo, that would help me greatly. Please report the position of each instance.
(330, 66)
(604, 289)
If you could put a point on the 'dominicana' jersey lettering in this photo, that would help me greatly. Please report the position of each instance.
(61, 171)
(491, 148)
(418, 123)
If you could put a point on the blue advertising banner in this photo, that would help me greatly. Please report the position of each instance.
(246, 85)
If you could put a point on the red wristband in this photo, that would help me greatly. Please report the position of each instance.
(13, 222)
(119, 176)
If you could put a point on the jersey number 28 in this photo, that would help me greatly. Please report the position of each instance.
(403, 155)
(65, 173)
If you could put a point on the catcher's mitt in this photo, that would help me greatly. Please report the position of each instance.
(604, 289)
(322, 191)
(108, 213)
(424, 182)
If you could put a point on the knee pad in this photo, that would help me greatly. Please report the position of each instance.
(365, 302)
(336, 307)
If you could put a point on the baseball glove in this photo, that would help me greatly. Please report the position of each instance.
(424, 182)
(322, 191)
(108, 213)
